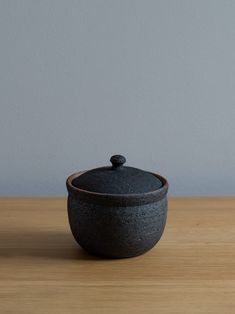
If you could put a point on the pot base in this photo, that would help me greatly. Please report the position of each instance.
(117, 232)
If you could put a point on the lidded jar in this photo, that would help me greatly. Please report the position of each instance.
(117, 211)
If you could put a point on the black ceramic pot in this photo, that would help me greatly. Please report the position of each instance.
(117, 211)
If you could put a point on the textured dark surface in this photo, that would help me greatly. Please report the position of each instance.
(117, 179)
(117, 226)
(117, 232)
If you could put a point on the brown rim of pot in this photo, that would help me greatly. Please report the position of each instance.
(116, 199)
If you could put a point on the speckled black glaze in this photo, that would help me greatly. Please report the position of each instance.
(117, 225)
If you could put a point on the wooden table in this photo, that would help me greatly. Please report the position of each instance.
(191, 270)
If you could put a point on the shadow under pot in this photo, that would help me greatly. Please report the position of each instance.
(117, 211)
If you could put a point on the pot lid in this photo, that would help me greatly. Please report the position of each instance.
(117, 179)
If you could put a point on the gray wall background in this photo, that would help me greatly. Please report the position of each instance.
(82, 80)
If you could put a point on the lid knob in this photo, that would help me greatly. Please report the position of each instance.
(117, 160)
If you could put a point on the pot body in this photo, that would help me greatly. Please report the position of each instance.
(116, 228)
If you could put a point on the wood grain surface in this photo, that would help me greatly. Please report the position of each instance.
(191, 270)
